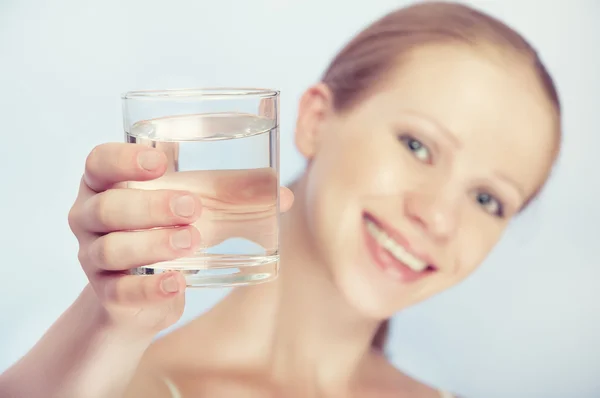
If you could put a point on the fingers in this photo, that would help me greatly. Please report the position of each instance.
(132, 290)
(245, 187)
(127, 209)
(112, 163)
(121, 251)
(286, 199)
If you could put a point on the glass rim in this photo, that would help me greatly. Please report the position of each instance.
(204, 93)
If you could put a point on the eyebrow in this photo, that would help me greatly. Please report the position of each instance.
(438, 127)
(456, 142)
(512, 182)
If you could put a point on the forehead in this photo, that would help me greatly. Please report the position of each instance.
(493, 105)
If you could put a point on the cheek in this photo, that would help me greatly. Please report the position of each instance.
(341, 177)
(353, 170)
(474, 242)
(327, 198)
(372, 164)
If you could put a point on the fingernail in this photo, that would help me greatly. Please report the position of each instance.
(183, 206)
(181, 239)
(170, 285)
(149, 160)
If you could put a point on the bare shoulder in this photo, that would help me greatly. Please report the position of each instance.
(167, 372)
(380, 379)
(147, 383)
(152, 375)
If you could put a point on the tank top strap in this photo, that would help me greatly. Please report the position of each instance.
(446, 394)
(172, 389)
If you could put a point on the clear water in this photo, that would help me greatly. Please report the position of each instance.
(230, 161)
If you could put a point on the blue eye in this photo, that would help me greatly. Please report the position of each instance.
(490, 204)
(420, 151)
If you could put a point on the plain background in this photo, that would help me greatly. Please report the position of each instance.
(527, 324)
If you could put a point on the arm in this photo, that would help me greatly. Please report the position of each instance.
(76, 357)
(94, 348)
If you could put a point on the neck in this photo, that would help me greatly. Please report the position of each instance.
(299, 327)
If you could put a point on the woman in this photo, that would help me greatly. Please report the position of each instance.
(429, 131)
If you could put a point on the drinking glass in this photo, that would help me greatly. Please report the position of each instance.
(222, 144)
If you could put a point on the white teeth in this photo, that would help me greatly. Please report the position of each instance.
(394, 248)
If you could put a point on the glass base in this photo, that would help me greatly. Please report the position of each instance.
(218, 270)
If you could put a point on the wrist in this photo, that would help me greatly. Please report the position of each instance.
(114, 325)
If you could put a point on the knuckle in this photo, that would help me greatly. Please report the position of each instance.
(104, 253)
(100, 252)
(93, 158)
(73, 219)
(82, 256)
(101, 209)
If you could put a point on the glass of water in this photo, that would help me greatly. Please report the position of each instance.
(222, 144)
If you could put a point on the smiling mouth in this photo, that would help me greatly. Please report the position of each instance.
(391, 252)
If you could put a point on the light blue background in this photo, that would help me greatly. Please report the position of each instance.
(526, 325)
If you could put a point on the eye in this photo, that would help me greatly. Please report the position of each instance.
(420, 151)
(490, 204)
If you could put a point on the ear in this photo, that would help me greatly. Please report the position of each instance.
(316, 106)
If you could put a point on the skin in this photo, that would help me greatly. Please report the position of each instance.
(309, 332)
(421, 152)
(486, 127)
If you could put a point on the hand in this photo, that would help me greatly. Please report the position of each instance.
(120, 228)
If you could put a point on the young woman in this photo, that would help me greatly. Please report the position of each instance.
(429, 131)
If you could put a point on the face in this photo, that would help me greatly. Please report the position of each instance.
(407, 192)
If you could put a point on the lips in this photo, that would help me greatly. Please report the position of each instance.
(393, 253)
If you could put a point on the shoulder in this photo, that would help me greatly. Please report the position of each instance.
(381, 379)
(148, 383)
(151, 378)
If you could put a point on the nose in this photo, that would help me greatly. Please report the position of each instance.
(435, 213)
